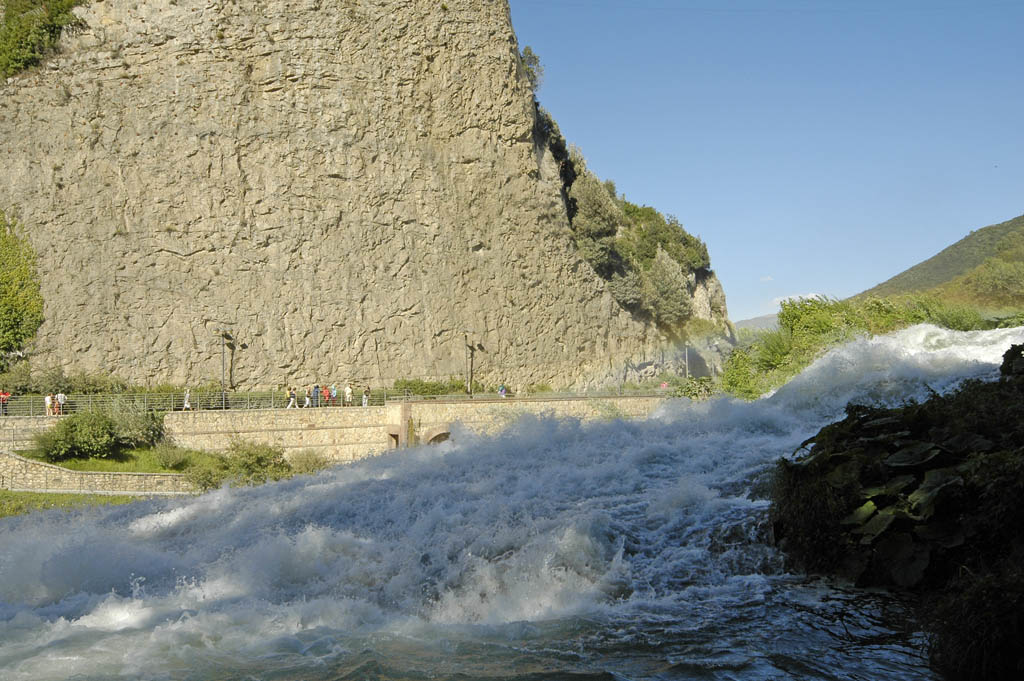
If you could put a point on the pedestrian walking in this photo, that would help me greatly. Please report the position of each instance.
(291, 399)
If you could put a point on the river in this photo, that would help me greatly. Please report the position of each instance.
(556, 550)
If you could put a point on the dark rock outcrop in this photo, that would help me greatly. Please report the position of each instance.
(927, 497)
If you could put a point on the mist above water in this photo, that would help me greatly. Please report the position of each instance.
(634, 549)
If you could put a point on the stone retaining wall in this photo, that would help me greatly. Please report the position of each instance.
(16, 431)
(24, 475)
(492, 416)
(341, 434)
(348, 434)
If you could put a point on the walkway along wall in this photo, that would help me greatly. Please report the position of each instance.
(340, 434)
(348, 434)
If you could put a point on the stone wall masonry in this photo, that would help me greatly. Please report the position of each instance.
(23, 475)
(340, 434)
(348, 434)
(492, 416)
(16, 432)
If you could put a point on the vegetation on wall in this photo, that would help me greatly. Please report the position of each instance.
(30, 30)
(648, 259)
(532, 67)
(808, 327)
(21, 302)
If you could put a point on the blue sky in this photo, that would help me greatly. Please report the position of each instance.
(817, 147)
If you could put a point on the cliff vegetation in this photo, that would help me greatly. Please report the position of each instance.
(650, 262)
(21, 303)
(30, 30)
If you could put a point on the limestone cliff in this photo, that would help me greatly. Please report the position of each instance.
(346, 188)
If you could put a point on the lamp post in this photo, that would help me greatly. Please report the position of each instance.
(470, 350)
(224, 336)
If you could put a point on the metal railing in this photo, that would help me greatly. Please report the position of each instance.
(35, 405)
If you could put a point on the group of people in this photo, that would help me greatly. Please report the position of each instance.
(55, 403)
(325, 396)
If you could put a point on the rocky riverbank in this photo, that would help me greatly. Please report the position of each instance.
(928, 497)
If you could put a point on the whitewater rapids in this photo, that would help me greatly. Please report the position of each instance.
(613, 550)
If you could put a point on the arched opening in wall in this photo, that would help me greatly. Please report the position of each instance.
(393, 440)
(439, 438)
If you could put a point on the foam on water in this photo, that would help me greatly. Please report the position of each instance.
(628, 547)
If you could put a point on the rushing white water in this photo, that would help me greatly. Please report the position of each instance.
(626, 550)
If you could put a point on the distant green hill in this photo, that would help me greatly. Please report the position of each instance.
(985, 267)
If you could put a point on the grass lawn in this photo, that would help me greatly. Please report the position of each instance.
(159, 459)
(19, 503)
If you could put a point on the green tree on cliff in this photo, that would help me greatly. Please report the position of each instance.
(532, 67)
(29, 30)
(21, 302)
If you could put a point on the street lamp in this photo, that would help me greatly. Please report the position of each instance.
(470, 350)
(224, 337)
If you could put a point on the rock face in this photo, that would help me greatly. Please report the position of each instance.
(345, 189)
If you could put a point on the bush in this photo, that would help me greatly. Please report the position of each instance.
(135, 425)
(810, 326)
(977, 625)
(208, 475)
(84, 435)
(452, 386)
(307, 462)
(250, 463)
(695, 388)
(172, 458)
(30, 29)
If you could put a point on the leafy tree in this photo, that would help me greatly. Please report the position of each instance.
(30, 29)
(532, 67)
(21, 302)
(666, 292)
(598, 215)
(646, 258)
